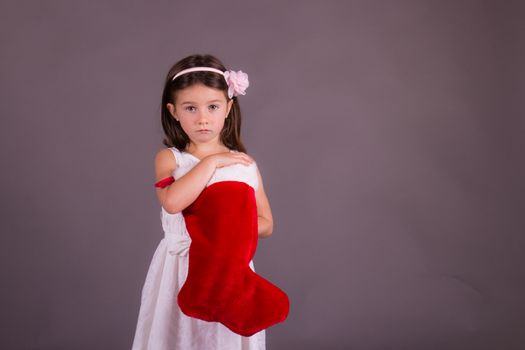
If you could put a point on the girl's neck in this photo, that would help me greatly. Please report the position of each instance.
(203, 150)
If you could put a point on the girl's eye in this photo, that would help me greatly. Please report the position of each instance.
(190, 108)
(214, 107)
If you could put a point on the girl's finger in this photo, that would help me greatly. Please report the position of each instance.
(245, 156)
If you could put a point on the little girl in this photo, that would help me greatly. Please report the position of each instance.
(198, 294)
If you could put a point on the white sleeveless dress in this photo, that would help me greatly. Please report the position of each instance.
(161, 324)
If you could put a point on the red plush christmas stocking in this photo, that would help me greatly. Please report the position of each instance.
(220, 285)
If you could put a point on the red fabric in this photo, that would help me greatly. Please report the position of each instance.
(220, 285)
(165, 182)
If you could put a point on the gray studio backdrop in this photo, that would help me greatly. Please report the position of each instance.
(389, 135)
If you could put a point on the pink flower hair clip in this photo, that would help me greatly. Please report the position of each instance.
(237, 81)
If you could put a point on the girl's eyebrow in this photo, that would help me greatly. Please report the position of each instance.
(191, 102)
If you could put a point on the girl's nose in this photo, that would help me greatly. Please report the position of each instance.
(203, 118)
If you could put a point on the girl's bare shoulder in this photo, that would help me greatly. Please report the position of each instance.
(165, 163)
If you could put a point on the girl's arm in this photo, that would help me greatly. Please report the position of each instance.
(264, 212)
(181, 193)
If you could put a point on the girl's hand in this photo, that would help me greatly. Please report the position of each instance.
(229, 158)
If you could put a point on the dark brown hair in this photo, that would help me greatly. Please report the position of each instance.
(174, 135)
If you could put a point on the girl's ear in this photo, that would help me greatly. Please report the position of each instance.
(230, 104)
(171, 108)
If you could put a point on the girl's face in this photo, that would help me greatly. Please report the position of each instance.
(201, 111)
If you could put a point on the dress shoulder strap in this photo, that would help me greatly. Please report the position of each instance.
(177, 154)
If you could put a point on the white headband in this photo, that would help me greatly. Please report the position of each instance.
(237, 81)
(196, 69)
